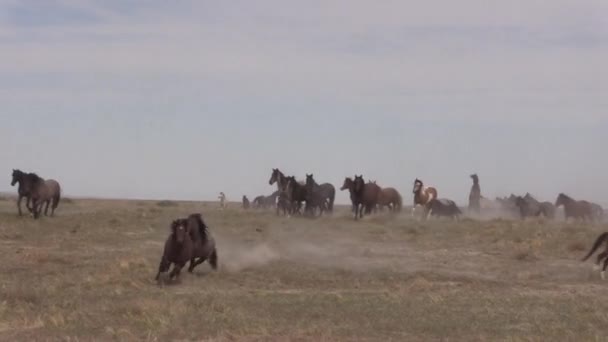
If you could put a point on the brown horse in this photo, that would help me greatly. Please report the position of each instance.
(475, 195)
(391, 198)
(423, 196)
(44, 191)
(576, 209)
(202, 242)
(178, 249)
(365, 196)
(602, 239)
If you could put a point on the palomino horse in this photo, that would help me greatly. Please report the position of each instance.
(44, 191)
(423, 196)
(475, 195)
(320, 196)
(26, 183)
(576, 209)
(391, 198)
(602, 239)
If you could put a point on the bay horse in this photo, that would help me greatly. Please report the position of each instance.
(444, 207)
(26, 183)
(423, 196)
(475, 195)
(178, 249)
(391, 198)
(321, 196)
(365, 196)
(576, 209)
(602, 239)
(44, 191)
(203, 244)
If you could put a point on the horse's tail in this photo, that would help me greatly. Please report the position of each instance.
(213, 259)
(57, 197)
(398, 203)
(332, 198)
(596, 245)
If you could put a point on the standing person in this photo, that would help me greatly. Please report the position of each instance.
(475, 195)
(222, 198)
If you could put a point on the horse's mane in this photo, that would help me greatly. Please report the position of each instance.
(564, 196)
(202, 227)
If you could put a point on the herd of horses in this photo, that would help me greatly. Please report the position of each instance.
(292, 196)
(190, 240)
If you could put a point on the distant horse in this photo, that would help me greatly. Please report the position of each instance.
(423, 196)
(349, 185)
(178, 249)
(321, 196)
(391, 198)
(44, 191)
(602, 239)
(266, 202)
(444, 207)
(530, 207)
(246, 204)
(203, 244)
(365, 196)
(475, 195)
(26, 183)
(576, 209)
(296, 193)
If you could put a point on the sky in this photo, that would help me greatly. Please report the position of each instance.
(183, 99)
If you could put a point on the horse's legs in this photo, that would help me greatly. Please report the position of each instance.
(599, 259)
(162, 267)
(19, 204)
(604, 269)
(46, 209)
(177, 268)
(194, 263)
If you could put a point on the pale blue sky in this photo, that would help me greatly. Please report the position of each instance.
(158, 99)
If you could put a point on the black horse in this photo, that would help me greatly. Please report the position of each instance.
(444, 207)
(26, 184)
(319, 196)
(296, 194)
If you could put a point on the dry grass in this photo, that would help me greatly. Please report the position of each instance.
(87, 275)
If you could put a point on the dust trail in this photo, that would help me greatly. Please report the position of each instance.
(236, 257)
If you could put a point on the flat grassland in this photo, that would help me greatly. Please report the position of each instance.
(88, 275)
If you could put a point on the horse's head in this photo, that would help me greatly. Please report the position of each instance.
(179, 229)
(475, 178)
(359, 183)
(417, 186)
(562, 199)
(310, 181)
(274, 176)
(17, 175)
(348, 184)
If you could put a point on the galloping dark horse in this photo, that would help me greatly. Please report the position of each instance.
(576, 209)
(178, 249)
(364, 195)
(423, 196)
(321, 196)
(202, 241)
(602, 239)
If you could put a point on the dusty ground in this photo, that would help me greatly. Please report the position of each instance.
(88, 275)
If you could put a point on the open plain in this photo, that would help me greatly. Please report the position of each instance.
(87, 274)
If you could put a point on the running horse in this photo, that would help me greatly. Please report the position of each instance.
(576, 209)
(423, 196)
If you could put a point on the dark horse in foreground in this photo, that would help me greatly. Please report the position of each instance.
(319, 196)
(37, 191)
(602, 239)
(189, 241)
